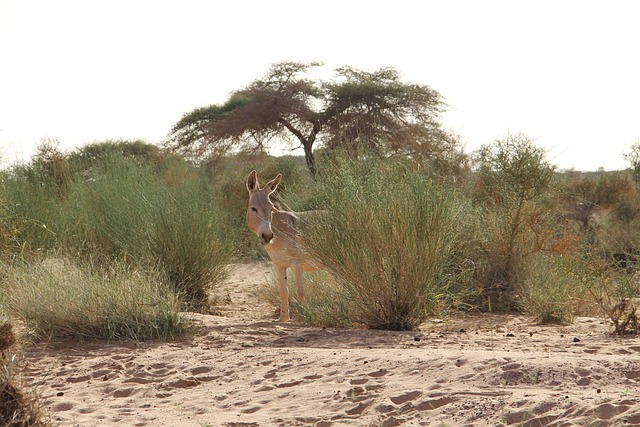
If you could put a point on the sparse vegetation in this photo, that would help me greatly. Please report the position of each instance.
(392, 235)
(19, 406)
(56, 298)
(117, 239)
(514, 193)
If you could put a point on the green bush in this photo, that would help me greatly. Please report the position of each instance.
(324, 303)
(125, 211)
(31, 210)
(57, 298)
(386, 236)
(551, 292)
(514, 190)
(191, 243)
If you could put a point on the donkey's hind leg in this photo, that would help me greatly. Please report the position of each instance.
(297, 277)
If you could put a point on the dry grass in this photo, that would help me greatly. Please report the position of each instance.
(120, 303)
(386, 236)
(18, 407)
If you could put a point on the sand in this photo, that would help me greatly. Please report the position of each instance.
(243, 368)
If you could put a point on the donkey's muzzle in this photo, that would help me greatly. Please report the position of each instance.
(265, 238)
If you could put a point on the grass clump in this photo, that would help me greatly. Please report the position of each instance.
(61, 300)
(386, 236)
(126, 212)
(18, 407)
(323, 305)
(551, 291)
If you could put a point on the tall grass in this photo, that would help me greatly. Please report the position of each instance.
(386, 235)
(124, 211)
(31, 209)
(551, 292)
(19, 405)
(121, 303)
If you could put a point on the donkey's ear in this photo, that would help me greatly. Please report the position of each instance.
(252, 182)
(272, 185)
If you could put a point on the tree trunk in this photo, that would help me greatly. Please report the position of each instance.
(310, 158)
(307, 143)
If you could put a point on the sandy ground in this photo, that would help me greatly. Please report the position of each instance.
(242, 368)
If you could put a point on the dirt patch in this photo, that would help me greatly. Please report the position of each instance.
(242, 368)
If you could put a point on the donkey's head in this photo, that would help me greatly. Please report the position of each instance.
(260, 207)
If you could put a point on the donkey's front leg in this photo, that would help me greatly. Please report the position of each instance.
(297, 277)
(281, 274)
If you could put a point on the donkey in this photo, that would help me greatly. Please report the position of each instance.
(279, 233)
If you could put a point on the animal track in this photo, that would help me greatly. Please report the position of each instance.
(403, 398)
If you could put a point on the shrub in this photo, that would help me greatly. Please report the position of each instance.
(386, 236)
(324, 303)
(93, 154)
(18, 405)
(58, 299)
(611, 292)
(31, 210)
(124, 211)
(191, 244)
(514, 189)
(551, 291)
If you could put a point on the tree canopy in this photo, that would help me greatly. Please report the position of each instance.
(356, 111)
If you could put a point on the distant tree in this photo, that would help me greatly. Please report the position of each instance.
(359, 110)
(587, 193)
(633, 157)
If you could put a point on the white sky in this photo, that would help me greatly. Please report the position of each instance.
(566, 73)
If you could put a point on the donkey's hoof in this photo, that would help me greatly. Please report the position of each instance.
(284, 319)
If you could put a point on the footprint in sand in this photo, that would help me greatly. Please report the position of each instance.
(585, 376)
(406, 397)
(102, 373)
(181, 383)
(360, 408)
(313, 377)
(251, 410)
(126, 392)
(632, 374)
(292, 383)
(606, 411)
(431, 404)
(79, 379)
(379, 373)
(63, 406)
(137, 380)
(355, 391)
(201, 370)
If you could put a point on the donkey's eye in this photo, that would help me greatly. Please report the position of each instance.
(255, 210)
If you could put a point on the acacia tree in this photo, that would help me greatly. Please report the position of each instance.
(359, 109)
